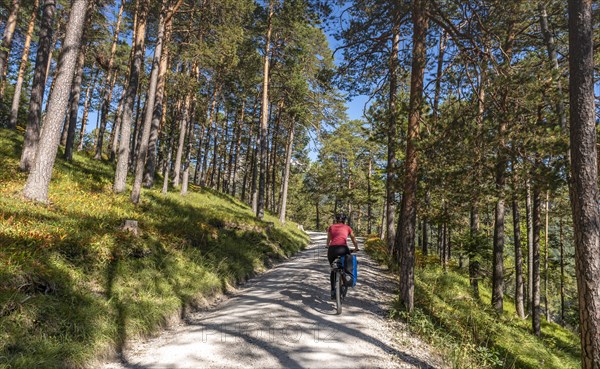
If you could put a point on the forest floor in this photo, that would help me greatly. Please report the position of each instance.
(284, 318)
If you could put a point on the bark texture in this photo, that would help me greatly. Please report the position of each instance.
(107, 90)
(134, 76)
(264, 121)
(14, 110)
(409, 198)
(39, 178)
(34, 120)
(584, 173)
(9, 31)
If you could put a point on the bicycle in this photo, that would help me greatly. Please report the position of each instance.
(340, 282)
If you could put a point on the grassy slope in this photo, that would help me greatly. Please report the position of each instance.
(73, 285)
(469, 333)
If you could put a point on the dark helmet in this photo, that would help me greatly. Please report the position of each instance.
(340, 218)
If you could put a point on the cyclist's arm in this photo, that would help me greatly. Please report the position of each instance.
(354, 241)
(328, 238)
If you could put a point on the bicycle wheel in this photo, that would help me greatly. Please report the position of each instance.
(338, 291)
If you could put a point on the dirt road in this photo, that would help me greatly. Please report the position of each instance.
(285, 319)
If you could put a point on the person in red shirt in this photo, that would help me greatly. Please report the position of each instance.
(337, 235)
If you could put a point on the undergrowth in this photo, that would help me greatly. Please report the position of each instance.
(73, 284)
(467, 331)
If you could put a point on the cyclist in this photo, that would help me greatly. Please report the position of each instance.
(337, 235)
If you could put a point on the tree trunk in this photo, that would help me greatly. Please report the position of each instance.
(249, 150)
(546, 258)
(535, 294)
(286, 176)
(86, 108)
(549, 40)
(392, 138)
(529, 215)
(122, 169)
(562, 273)
(498, 252)
(273, 161)
(264, 120)
(115, 134)
(74, 109)
(188, 152)
(34, 120)
(518, 260)
(111, 77)
(181, 145)
(157, 112)
(166, 16)
(409, 196)
(39, 178)
(9, 31)
(167, 163)
(137, 132)
(14, 111)
(584, 174)
(237, 150)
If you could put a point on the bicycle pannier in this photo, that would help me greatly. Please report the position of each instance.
(351, 267)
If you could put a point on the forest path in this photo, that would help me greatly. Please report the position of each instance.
(284, 318)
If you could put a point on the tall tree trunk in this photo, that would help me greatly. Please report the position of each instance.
(181, 145)
(215, 148)
(167, 163)
(137, 132)
(74, 109)
(166, 16)
(86, 108)
(188, 152)
(498, 256)
(529, 215)
(562, 273)
(409, 196)
(546, 258)
(134, 76)
(535, 293)
(9, 31)
(14, 110)
(237, 150)
(34, 120)
(474, 265)
(550, 46)
(115, 133)
(518, 259)
(392, 138)
(275, 147)
(264, 119)
(157, 112)
(286, 177)
(584, 174)
(369, 196)
(111, 77)
(38, 181)
(248, 161)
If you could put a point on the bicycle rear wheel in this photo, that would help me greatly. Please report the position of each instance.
(338, 292)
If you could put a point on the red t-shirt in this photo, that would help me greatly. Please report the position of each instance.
(338, 234)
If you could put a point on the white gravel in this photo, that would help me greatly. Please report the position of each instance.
(285, 319)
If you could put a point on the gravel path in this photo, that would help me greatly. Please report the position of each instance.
(285, 319)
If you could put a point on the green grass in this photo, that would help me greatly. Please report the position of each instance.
(73, 286)
(468, 332)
